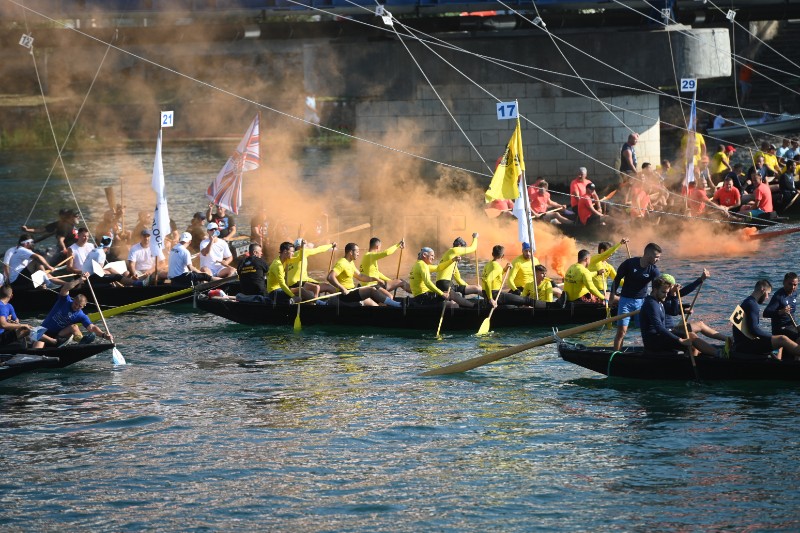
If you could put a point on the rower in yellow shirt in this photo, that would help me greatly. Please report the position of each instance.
(423, 290)
(297, 267)
(277, 288)
(344, 274)
(598, 263)
(492, 280)
(544, 285)
(448, 277)
(522, 270)
(369, 264)
(578, 281)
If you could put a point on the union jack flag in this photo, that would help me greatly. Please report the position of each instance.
(226, 189)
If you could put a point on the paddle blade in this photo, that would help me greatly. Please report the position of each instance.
(116, 357)
(484, 329)
(38, 278)
(297, 325)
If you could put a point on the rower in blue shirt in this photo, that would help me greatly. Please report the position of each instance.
(637, 272)
(782, 307)
(750, 338)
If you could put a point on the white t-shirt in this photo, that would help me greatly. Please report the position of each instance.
(142, 258)
(18, 261)
(219, 251)
(98, 255)
(79, 254)
(179, 261)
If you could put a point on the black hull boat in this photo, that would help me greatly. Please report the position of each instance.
(15, 359)
(631, 362)
(41, 300)
(415, 318)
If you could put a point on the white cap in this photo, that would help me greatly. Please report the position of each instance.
(186, 237)
(212, 225)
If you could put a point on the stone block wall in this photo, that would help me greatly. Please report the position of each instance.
(560, 132)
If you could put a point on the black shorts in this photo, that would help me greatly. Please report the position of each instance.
(759, 345)
(789, 331)
(8, 336)
(444, 284)
(354, 296)
(662, 343)
(426, 299)
(188, 279)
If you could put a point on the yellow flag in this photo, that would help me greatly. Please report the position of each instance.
(507, 173)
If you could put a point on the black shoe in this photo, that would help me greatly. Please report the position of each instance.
(88, 338)
(64, 341)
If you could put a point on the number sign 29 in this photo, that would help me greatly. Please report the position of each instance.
(688, 85)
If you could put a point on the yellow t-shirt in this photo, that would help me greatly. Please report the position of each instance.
(450, 271)
(578, 281)
(345, 270)
(598, 262)
(521, 272)
(276, 278)
(292, 270)
(699, 146)
(718, 162)
(369, 263)
(420, 279)
(545, 290)
(492, 278)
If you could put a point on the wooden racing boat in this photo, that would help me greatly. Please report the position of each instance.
(420, 318)
(632, 362)
(15, 360)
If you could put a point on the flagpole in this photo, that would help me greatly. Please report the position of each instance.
(529, 220)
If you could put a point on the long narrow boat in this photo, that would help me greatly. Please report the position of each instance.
(419, 318)
(631, 362)
(41, 300)
(15, 360)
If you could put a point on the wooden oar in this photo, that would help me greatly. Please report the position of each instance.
(351, 230)
(477, 272)
(114, 311)
(686, 330)
(330, 261)
(487, 322)
(297, 325)
(475, 362)
(628, 249)
(791, 203)
(444, 308)
(696, 294)
(321, 297)
(116, 356)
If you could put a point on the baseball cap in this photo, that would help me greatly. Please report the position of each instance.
(772, 147)
(146, 232)
(590, 186)
(211, 225)
(185, 237)
(730, 148)
(525, 246)
(105, 242)
(199, 215)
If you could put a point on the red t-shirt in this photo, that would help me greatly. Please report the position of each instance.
(728, 198)
(585, 208)
(763, 197)
(697, 200)
(539, 201)
(577, 188)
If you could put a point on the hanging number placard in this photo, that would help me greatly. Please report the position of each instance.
(731, 15)
(26, 41)
(688, 85)
(167, 119)
(507, 110)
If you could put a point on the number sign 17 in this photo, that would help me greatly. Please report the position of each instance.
(688, 85)
(507, 110)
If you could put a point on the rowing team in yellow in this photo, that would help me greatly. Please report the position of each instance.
(287, 278)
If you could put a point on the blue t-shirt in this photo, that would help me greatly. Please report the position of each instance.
(62, 315)
(636, 278)
(654, 324)
(7, 310)
(779, 301)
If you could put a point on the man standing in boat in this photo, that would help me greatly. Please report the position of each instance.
(782, 308)
(628, 163)
(344, 273)
(750, 338)
(637, 273)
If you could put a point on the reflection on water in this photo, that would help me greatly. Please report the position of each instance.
(219, 426)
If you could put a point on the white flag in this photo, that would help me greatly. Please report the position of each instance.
(161, 215)
(522, 220)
